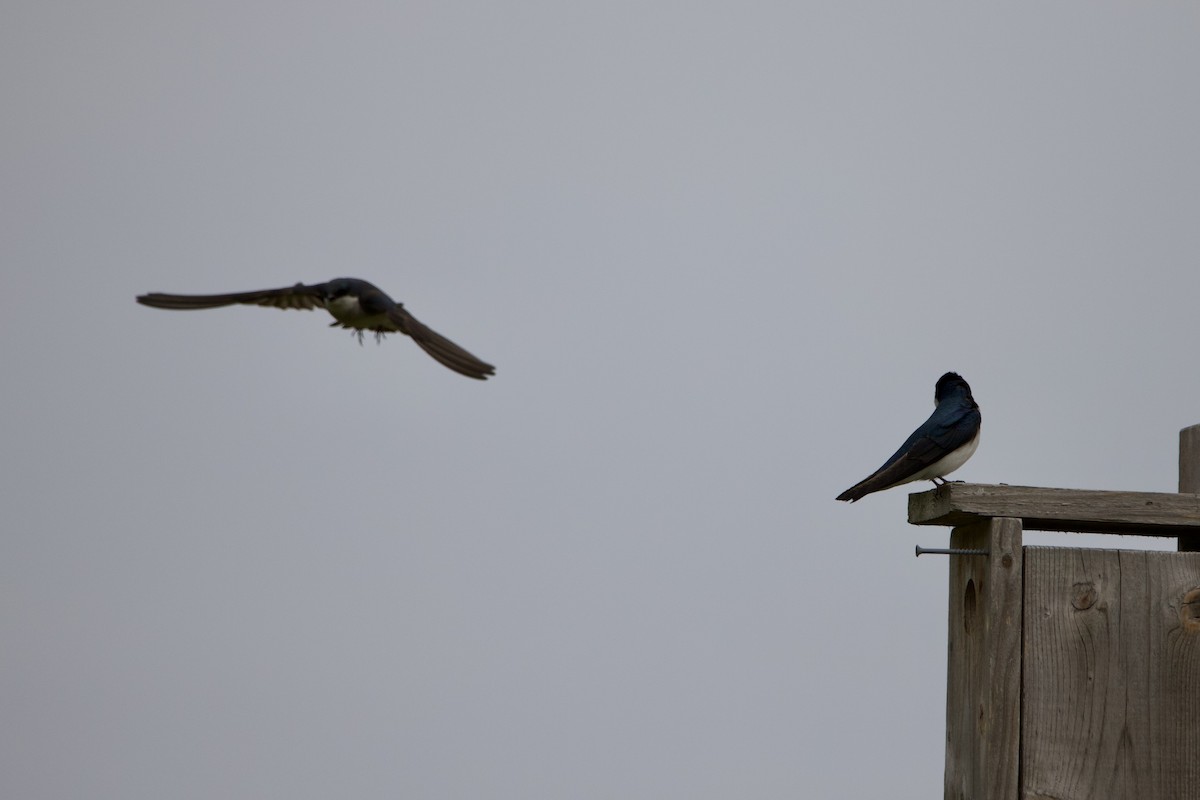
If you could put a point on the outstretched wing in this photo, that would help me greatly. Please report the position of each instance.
(443, 350)
(299, 296)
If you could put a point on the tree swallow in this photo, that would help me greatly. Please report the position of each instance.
(937, 448)
(354, 304)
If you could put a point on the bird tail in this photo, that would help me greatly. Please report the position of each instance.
(854, 493)
(443, 350)
(865, 487)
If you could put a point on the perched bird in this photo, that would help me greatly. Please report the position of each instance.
(937, 448)
(354, 304)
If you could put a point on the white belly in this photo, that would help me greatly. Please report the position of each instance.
(948, 463)
(347, 311)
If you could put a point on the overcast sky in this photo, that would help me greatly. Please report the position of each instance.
(719, 255)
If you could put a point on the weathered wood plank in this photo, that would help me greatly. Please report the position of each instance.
(1079, 510)
(983, 682)
(1189, 478)
(1111, 675)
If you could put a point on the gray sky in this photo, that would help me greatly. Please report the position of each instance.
(719, 253)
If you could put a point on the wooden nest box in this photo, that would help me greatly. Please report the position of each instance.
(1073, 673)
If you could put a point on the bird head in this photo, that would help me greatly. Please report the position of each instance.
(951, 384)
(338, 287)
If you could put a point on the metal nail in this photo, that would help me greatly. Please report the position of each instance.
(948, 551)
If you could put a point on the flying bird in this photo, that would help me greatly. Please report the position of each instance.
(353, 303)
(941, 445)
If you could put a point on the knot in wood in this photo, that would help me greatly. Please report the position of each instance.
(1084, 596)
(1189, 612)
(969, 604)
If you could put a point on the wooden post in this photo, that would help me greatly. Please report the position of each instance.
(1072, 673)
(983, 680)
(1189, 478)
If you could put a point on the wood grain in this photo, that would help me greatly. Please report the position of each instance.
(983, 686)
(1111, 675)
(1189, 478)
(1086, 511)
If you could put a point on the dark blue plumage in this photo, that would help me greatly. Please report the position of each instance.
(353, 303)
(941, 445)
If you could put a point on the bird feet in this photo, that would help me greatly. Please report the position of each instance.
(940, 482)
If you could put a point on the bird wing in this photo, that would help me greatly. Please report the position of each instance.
(946, 430)
(299, 296)
(442, 349)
